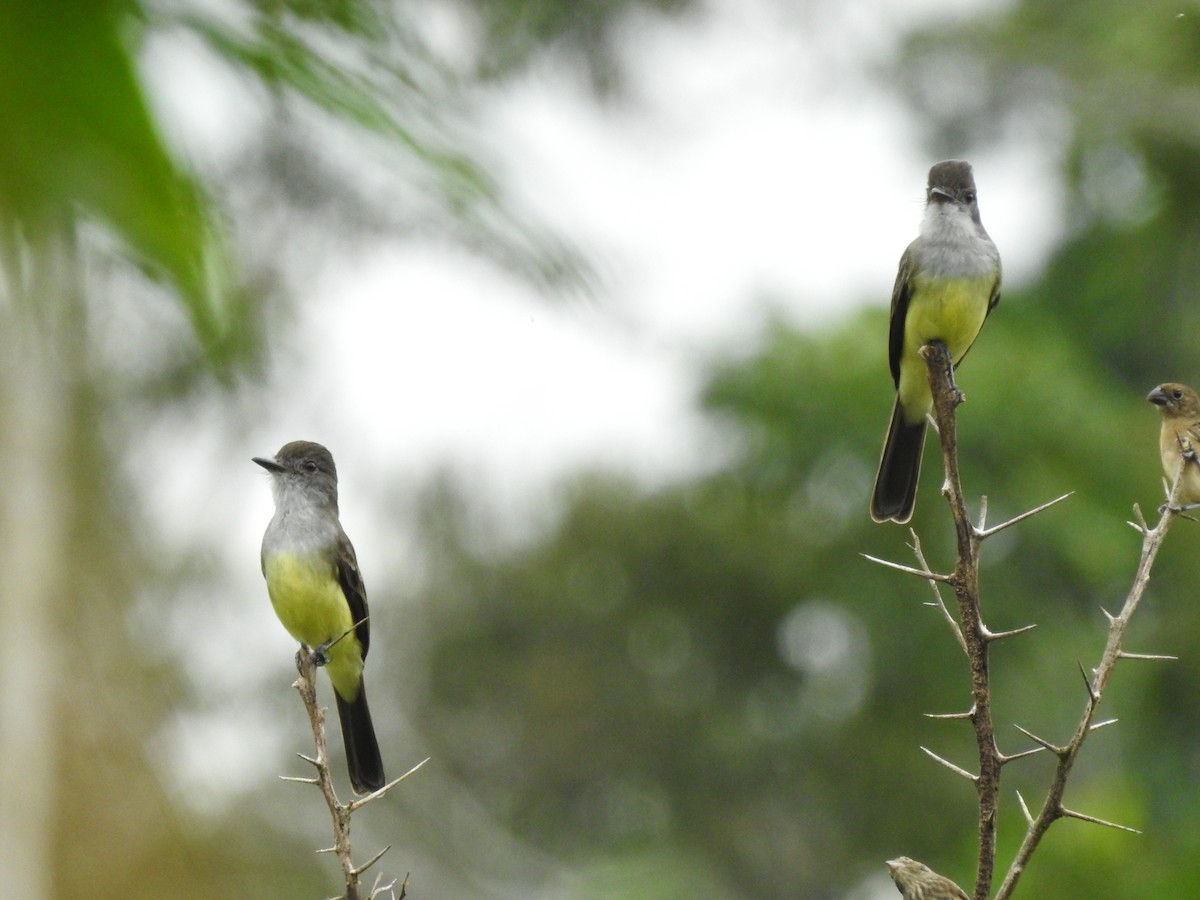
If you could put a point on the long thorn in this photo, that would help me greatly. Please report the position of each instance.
(1071, 814)
(1087, 682)
(951, 766)
(1057, 751)
(982, 534)
(375, 795)
(1001, 635)
(958, 715)
(1013, 757)
(1024, 808)
(908, 570)
(374, 859)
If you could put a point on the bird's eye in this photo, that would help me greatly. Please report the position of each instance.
(310, 467)
(1178, 395)
(969, 196)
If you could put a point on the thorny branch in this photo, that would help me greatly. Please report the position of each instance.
(339, 812)
(974, 636)
(1052, 809)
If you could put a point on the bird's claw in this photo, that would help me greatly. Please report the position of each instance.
(1181, 511)
(320, 654)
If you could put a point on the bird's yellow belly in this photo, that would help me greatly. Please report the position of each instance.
(307, 599)
(309, 602)
(951, 311)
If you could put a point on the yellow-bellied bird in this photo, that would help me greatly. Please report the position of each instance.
(948, 282)
(318, 594)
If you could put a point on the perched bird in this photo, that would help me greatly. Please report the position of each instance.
(916, 881)
(1180, 436)
(948, 282)
(318, 594)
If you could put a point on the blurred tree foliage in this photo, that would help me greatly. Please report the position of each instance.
(705, 685)
(712, 675)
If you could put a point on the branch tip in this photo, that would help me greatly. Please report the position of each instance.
(1024, 808)
(1137, 512)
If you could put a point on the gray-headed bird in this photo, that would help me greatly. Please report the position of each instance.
(948, 282)
(318, 594)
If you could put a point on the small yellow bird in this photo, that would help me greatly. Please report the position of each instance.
(1180, 437)
(947, 283)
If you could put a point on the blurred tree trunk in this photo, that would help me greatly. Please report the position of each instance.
(36, 358)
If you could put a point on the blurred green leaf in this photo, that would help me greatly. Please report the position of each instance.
(79, 138)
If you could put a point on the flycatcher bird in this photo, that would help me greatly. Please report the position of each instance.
(318, 594)
(948, 282)
(1180, 436)
(916, 881)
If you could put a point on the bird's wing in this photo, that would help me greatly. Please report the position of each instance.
(900, 298)
(351, 581)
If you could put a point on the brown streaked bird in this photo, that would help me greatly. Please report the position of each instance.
(1180, 436)
(947, 284)
(916, 881)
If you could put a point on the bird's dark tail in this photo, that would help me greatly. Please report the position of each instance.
(362, 750)
(895, 491)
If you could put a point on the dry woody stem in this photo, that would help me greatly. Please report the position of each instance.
(339, 812)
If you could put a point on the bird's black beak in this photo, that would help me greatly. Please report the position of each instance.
(1158, 397)
(940, 195)
(269, 464)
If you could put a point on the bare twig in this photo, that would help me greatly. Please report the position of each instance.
(339, 812)
(1052, 808)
